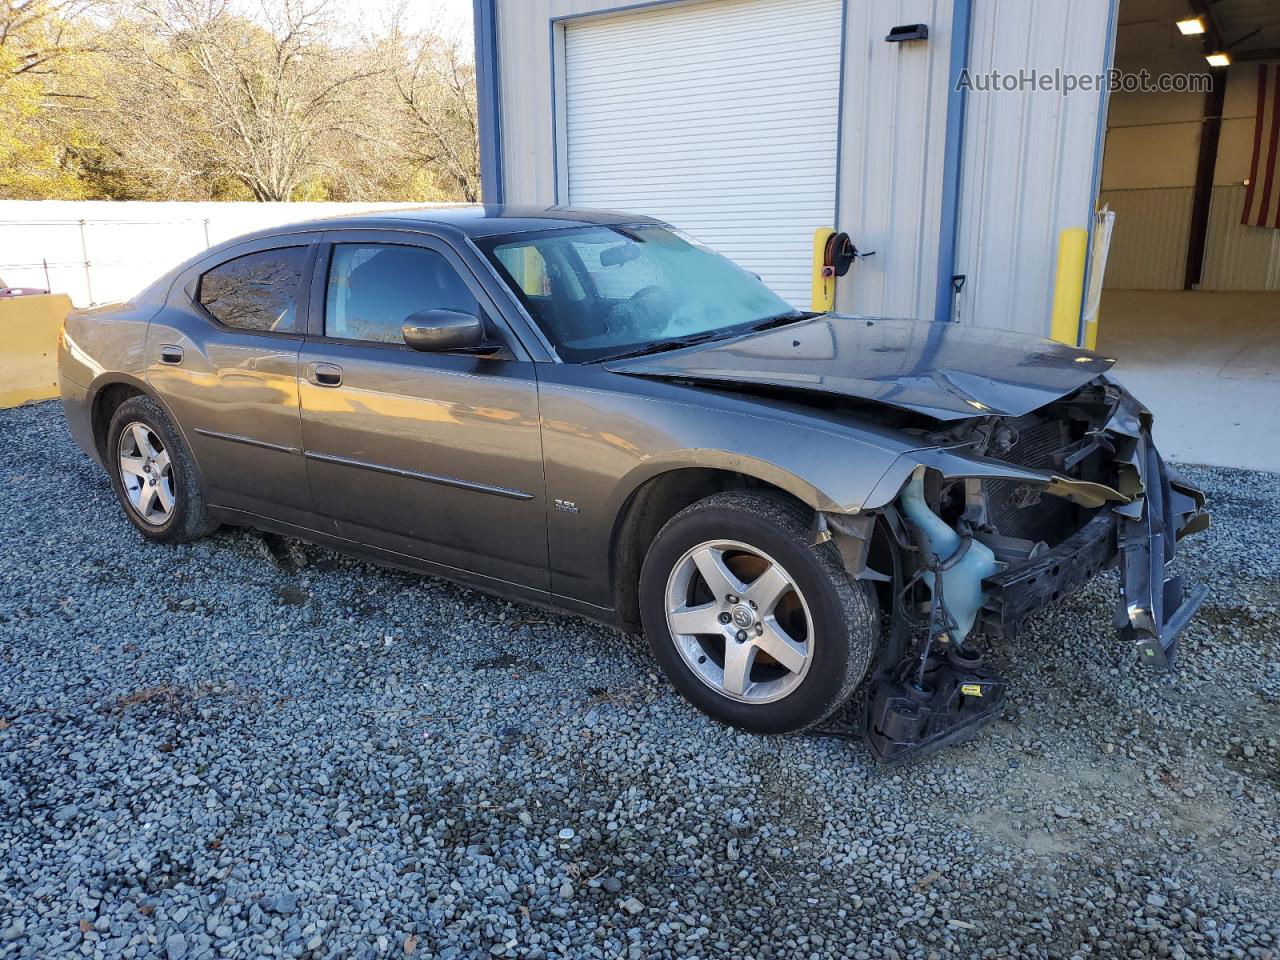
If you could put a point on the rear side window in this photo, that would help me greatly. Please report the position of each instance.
(258, 291)
(373, 288)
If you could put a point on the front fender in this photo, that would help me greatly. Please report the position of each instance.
(827, 478)
(601, 445)
(953, 464)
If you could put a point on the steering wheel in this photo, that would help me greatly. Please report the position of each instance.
(648, 304)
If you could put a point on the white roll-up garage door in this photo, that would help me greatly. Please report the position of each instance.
(719, 117)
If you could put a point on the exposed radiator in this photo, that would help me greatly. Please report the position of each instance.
(1015, 509)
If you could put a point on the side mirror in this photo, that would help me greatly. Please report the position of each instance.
(440, 331)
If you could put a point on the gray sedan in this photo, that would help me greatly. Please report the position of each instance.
(596, 413)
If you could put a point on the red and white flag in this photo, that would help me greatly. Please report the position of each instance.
(1262, 196)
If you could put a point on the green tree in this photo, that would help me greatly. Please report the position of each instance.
(38, 38)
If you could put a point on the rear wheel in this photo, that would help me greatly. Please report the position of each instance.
(754, 625)
(152, 474)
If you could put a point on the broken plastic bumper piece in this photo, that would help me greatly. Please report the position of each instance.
(912, 712)
(1139, 536)
(1154, 608)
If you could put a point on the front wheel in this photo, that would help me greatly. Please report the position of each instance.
(753, 624)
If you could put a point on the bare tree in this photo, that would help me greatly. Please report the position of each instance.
(437, 87)
(253, 100)
(210, 99)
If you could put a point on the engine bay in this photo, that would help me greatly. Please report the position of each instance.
(1052, 498)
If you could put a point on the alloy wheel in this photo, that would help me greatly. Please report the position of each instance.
(739, 621)
(146, 473)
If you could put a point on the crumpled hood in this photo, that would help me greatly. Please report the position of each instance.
(943, 370)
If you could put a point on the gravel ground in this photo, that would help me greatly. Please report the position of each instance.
(248, 747)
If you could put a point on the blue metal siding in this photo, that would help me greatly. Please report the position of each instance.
(488, 100)
(953, 157)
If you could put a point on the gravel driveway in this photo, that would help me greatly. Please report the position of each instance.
(249, 747)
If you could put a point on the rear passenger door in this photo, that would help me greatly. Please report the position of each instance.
(223, 355)
(430, 455)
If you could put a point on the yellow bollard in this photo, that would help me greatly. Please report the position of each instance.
(824, 288)
(1068, 288)
(531, 279)
(29, 328)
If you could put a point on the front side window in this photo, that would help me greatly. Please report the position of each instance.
(258, 291)
(608, 291)
(374, 287)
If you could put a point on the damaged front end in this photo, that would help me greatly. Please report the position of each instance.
(999, 518)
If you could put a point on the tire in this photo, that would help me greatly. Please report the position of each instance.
(145, 453)
(823, 625)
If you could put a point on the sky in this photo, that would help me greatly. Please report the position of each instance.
(446, 18)
(449, 17)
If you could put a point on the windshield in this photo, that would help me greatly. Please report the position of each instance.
(603, 292)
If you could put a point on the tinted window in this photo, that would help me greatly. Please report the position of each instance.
(258, 291)
(374, 287)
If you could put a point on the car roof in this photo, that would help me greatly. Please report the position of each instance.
(460, 220)
(487, 220)
(473, 220)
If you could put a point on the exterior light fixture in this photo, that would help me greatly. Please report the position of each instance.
(1192, 26)
(1220, 59)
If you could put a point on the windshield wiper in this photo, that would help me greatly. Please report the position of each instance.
(781, 320)
(662, 346)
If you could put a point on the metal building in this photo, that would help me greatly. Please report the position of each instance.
(753, 123)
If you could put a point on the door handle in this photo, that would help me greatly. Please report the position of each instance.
(324, 374)
(170, 354)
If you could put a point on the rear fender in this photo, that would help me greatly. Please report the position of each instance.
(93, 393)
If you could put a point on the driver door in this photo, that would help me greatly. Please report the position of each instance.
(434, 456)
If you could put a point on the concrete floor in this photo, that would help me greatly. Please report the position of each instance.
(1208, 367)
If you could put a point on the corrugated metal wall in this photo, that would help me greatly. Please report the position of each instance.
(894, 123)
(1238, 257)
(528, 128)
(1028, 165)
(1028, 168)
(1152, 149)
(892, 131)
(1149, 244)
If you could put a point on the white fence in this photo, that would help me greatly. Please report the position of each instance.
(100, 251)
